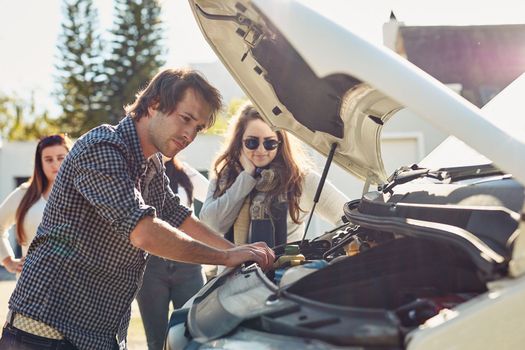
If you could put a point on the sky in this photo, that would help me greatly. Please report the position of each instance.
(29, 31)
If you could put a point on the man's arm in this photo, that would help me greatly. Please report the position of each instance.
(161, 239)
(199, 231)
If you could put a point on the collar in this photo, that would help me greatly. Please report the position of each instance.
(128, 130)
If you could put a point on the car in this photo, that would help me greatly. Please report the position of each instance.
(429, 257)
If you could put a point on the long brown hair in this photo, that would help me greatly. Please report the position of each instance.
(38, 183)
(178, 177)
(227, 166)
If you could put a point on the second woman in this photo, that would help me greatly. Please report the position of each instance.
(24, 207)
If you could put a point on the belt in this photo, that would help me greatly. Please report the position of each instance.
(32, 326)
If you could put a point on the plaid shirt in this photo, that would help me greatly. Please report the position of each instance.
(82, 272)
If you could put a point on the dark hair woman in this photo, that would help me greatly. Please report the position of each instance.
(25, 205)
(167, 281)
(263, 187)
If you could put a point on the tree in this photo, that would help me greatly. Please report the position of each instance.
(136, 55)
(223, 118)
(20, 121)
(79, 66)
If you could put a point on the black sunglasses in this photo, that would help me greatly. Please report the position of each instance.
(253, 143)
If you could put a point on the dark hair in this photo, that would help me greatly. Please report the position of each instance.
(178, 177)
(227, 166)
(167, 88)
(38, 182)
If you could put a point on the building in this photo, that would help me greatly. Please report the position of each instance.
(479, 61)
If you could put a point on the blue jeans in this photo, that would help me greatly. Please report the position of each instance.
(164, 282)
(15, 339)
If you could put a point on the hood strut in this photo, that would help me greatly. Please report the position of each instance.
(320, 188)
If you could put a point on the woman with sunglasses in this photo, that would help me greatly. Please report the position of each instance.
(25, 205)
(262, 187)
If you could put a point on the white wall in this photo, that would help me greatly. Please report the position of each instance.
(16, 160)
(202, 152)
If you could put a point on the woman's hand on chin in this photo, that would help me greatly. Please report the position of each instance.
(247, 164)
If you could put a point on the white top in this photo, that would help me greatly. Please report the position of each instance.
(220, 213)
(7, 220)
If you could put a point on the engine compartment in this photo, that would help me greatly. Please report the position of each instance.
(359, 268)
(410, 252)
(402, 257)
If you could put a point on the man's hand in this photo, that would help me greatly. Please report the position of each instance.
(13, 265)
(258, 252)
(247, 164)
(200, 246)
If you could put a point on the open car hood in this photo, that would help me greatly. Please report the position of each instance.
(325, 85)
(319, 110)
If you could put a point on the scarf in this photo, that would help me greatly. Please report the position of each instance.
(261, 218)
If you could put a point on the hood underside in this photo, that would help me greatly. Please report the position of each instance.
(337, 108)
(326, 85)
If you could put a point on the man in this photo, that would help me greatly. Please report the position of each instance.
(111, 205)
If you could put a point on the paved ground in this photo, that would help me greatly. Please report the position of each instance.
(137, 340)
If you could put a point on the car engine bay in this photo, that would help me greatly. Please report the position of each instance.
(355, 267)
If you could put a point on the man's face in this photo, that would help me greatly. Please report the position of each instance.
(171, 133)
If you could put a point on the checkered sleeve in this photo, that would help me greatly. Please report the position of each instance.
(104, 180)
(175, 213)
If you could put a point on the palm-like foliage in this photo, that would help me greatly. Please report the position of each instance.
(20, 121)
(137, 52)
(80, 68)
